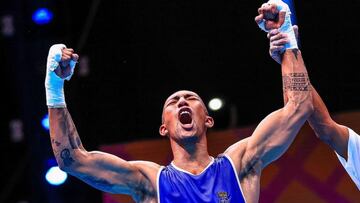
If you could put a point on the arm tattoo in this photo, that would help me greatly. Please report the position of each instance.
(53, 141)
(64, 138)
(65, 156)
(296, 82)
(68, 128)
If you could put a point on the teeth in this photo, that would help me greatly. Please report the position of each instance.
(184, 112)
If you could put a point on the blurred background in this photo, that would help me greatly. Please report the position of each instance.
(133, 55)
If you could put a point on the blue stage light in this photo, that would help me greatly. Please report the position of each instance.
(291, 5)
(42, 16)
(45, 122)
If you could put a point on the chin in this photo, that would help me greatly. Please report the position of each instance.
(185, 134)
(189, 138)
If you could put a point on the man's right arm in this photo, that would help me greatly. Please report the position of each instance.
(103, 171)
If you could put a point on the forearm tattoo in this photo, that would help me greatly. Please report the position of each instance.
(65, 138)
(296, 87)
(296, 82)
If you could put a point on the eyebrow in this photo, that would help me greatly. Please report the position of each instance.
(177, 97)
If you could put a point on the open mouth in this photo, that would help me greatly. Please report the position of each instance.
(185, 116)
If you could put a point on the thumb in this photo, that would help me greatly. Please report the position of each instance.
(282, 15)
(259, 18)
(75, 57)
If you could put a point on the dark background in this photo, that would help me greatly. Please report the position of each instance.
(139, 53)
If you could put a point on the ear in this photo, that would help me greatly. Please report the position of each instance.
(209, 122)
(163, 130)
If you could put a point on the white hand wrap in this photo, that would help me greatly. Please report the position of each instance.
(286, 27)
(54, 85)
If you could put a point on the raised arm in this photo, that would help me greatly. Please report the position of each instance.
(276, 132)
(103, 171)
(340, 138)
(325, 128)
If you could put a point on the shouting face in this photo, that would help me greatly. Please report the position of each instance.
(185, 116)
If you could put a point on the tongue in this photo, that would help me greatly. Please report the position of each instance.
(185, 118)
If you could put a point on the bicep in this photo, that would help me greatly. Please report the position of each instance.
(107, 172)
(269, 140)
(275, 133)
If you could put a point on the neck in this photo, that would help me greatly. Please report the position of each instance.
(191, 155)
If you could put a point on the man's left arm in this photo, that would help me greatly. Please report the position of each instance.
(276, 132)
(343, 140)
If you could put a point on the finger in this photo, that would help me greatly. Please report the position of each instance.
(75, 57)
(273, 32)
(266, 10)
(264, 5)
(67, 51)
(270, 25)
(281, 17)
(65, 57)
(275, 49)
(273, 8)
(270, 12)
(280, 42)
(278, 36)
(259, 18)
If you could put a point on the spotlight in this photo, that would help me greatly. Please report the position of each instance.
(42, 16)
(45, 122)
(215, 104)
(55, 176)
(291, 5)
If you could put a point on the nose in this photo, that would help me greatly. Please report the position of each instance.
(182, 102)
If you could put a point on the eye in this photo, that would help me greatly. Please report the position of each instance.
(171, 102)
(192, 98)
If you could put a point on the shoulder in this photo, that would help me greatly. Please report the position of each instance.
(243, 158)
(147, 168)
(237, 151)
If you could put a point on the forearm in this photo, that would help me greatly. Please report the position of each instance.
(295, 78)
(64, 137)
(277, 131)
(298, 106)
(326, 129)
(296, 83)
